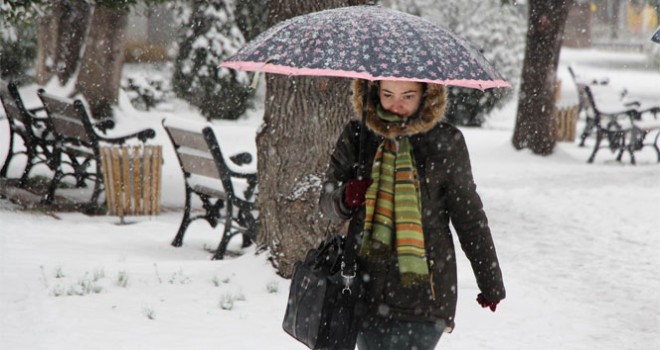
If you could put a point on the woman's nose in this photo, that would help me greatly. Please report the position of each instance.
(397, 107)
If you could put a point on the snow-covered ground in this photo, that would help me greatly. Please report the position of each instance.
(578, 244)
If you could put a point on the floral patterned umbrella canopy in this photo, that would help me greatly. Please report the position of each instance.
(656, 36)
(367, 42)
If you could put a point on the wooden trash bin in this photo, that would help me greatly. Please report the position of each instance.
(132, 179)
(566, 119)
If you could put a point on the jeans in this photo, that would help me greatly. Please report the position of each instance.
(399, 335)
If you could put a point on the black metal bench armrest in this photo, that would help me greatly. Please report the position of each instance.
(247, 176)
(655, 110)
(241, 158)
(104, 125)
(632, 104)
(624, 114)
(36, 109)
(141, 135)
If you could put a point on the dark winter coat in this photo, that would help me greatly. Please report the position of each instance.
(448, 194)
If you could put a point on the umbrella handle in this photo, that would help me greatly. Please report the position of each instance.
(361, 168)
(255, 78)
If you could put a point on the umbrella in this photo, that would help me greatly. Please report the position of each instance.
(367, 42)
(656, 36)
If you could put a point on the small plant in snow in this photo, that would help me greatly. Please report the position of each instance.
(83, 287)
(216, 281)
(160, 280)
(122, 279)
(272, 287)
(227, 302)
(59, 273)
(239, 296)
(43, 275)
(98, 275)
(149, 312)
(179, 278)
(58, 290)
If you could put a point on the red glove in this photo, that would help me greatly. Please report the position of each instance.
(481, 299)
(354, 192)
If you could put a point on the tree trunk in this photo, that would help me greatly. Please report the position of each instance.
(46, 48)
(61, 38)
(535, 124)
(102, 62)
(302, 120)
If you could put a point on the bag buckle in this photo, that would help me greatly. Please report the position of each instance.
(348, 279)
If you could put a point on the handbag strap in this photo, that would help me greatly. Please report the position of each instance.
(349, 263)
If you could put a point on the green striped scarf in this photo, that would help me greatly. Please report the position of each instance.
(393, 209)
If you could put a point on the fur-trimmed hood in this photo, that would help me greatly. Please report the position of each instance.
(430, 114)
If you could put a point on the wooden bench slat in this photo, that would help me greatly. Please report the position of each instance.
(185, 138)
(198, 165)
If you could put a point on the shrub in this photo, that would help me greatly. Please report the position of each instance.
(18, 50)
(209, 35)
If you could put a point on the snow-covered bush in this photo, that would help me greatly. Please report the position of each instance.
(209, 35)
(146, 92)
(18, 49)
(498, 31)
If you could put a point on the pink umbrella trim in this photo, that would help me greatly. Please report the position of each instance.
(286, 70)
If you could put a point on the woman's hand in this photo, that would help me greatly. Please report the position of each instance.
(481, 299)
(354, 192)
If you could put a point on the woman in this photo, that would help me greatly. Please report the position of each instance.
(421, 179)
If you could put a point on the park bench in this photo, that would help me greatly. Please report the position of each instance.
(584, 105)
(34, 130)
(226, 193)
(625, 130)
(77, 145)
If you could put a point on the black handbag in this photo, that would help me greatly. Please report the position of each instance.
(324, 291)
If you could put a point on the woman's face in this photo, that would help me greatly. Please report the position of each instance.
(400, 97)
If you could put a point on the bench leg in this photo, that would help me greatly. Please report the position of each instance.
(10, 155)
(251, 224)
(31, 156)
(599, 138)
(247, 241)
(178, 239)
(93, 206)
(5, 167)
(586, 131)
(52, 186)
(655, 145)
(226, 234)
(79, 171)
